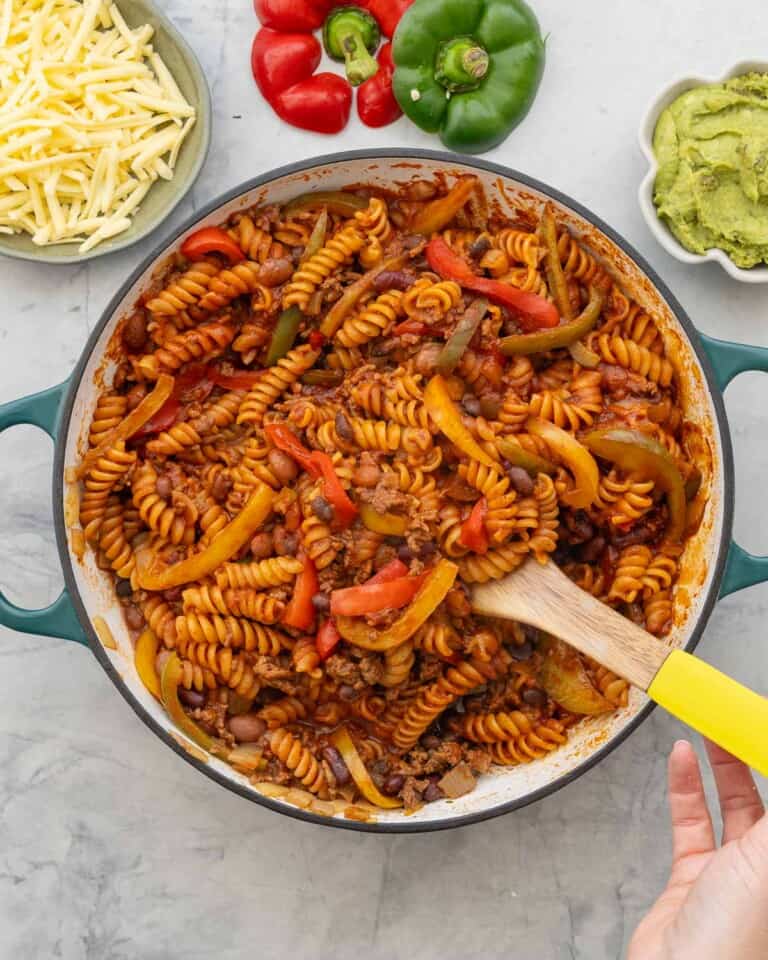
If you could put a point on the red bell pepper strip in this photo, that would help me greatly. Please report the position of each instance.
(322, 103)
(474, 535)
(376, 103)
(317, 465)
(373, 597)
(279, 60)
(327, 639)
(344, 509)
(193, 383)
(300, 15)
(317, 340)
(300, 612)
(533, 312)
(387, 12)
(414, 327)
(394, 570)
(211, 240)
(237, 380)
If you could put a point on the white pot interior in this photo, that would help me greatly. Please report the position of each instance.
(503, 785)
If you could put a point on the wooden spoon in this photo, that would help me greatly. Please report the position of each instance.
(718, 707)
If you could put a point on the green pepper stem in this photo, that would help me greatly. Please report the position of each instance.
(359, 64)
(462, 64)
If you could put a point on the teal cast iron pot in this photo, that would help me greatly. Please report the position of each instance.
(712, 567)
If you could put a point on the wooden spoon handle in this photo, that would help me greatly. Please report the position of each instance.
(544, 597)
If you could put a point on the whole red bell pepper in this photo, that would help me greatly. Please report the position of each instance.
(387, 12)
(376, 103)
(531, 311)
(211, 240)
(289, 15)
(327, 639)
(300, 612)
(321, 104)
(474, 535)
(279, 60)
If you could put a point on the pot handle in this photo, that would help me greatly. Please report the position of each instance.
(729, 360)
(59, 619)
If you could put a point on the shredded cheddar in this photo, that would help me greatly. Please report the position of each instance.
(90, 118)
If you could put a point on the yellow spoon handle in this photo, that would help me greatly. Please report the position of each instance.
(718, 707)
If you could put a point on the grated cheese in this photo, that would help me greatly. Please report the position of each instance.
(90, 118)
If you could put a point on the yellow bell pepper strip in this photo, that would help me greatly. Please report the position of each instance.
(223, 547)
(519, 457)
(522, 344)
(341, 739)
(439, 213)
(334, 201)
(636, 452)
(583, 355)
(432, 593)
(446, 417)
(144, 657)
(352, 295)
(460, 339)
(390, 524)
(576, 457)
(563, 676)
(169, 686)
(133, 422)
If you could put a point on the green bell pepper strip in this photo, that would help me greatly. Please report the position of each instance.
(518, 457)
(352, 35)
(459, 340)
(284, 334)
(468, 69)
(335, 201)
(636, 452)
(521, 344)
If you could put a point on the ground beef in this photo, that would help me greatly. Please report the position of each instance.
(448, 754)
(371, 668)
(411, 792)
(342, 670)
(387, 497)
(430, 668)
(478, 759)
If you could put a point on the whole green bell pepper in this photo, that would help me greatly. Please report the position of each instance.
(468, 69)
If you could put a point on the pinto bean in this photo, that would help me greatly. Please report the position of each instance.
(282, 466)
(286, 544)
(471, 404)
(366, 475)
(246, 727)
(135, 332)
(393, 280)
(134, 617)
(163, 486)
(343, 427)
(426, 359)
(172, 595)
(336, 762)
(192, 698)
(534, 697)
(262, 546)
(220, 488)
(275, 271)
(136, 395)
(393, 784)
(321, 603)
(322, 509)
(432, 793)
(520, 481)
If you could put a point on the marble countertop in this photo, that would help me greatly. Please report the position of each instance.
(110, 847)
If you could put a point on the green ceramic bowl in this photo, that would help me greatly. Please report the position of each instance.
(165, 195)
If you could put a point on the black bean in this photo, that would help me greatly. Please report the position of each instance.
(123, 588)
(432, 793)
(321, 603)
(172, 595)
(336, 762)
(480, 246)
(393, 784)
(593, 549)
(343, 427)
(322, 509)
(534, 697)
(192, 698)
(404, 553)
(522, 653)
(427, 550)
(347, 692)
(471, 404)
(521, 481)
(579, 526)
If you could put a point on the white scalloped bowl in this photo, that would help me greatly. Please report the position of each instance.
(657, 227)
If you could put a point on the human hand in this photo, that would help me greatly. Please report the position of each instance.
(715, 906)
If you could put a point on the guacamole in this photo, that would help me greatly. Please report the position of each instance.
(712, 186)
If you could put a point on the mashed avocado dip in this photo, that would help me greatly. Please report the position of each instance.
(712, 185)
